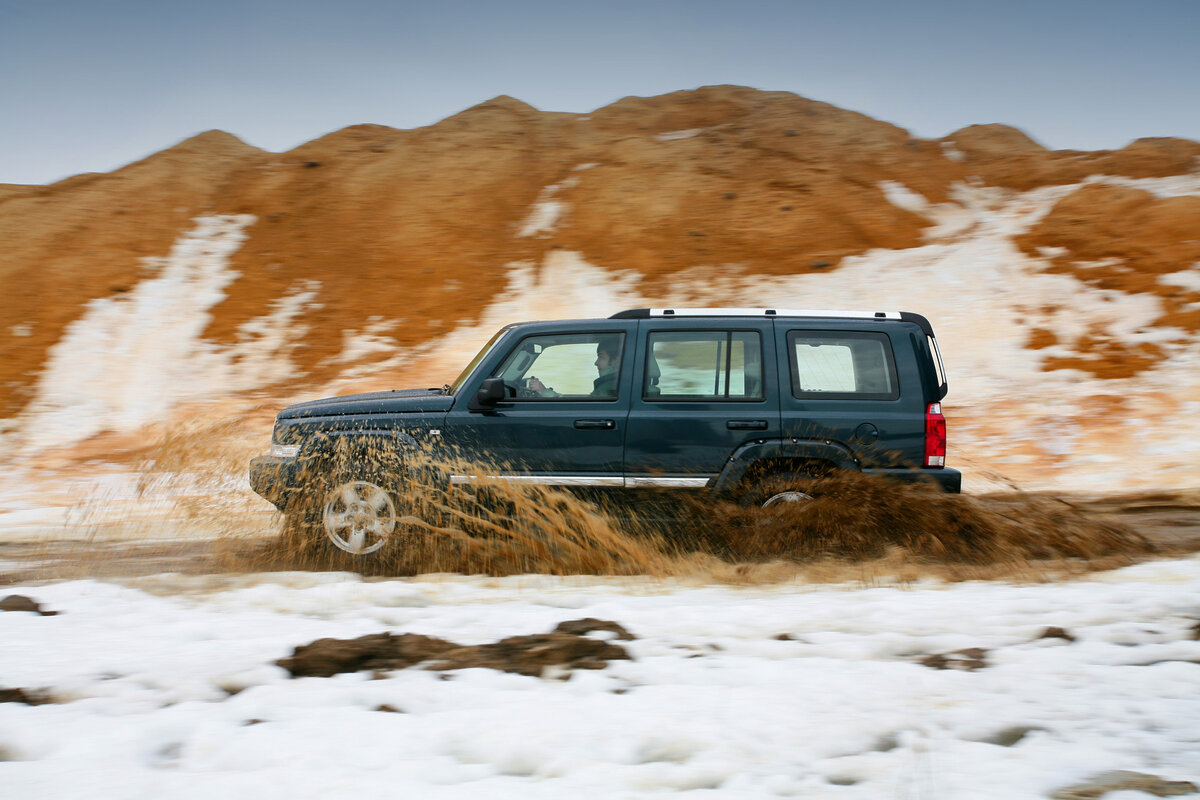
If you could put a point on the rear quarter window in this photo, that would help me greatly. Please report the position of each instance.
(842, 365)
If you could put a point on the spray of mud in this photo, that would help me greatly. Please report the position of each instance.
(854, 529)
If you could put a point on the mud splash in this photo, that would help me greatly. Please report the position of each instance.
(194, 512)
(855, 527)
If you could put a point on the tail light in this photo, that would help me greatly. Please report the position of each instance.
(935, 436)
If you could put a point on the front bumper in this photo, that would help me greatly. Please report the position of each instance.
(949, 480)
(277, 479)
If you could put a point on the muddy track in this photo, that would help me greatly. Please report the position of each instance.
(1169, 520)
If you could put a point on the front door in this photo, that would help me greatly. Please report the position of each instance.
(564, 420)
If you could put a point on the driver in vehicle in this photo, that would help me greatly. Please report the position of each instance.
(608, 360)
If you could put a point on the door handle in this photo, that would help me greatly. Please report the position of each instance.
(595, 424)
(746, 424)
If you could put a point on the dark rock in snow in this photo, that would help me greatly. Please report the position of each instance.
(579, 627)
(1124, 781)
(968, 659)
(376, 651)
(19, 602)
(1056, 633)
(26, 696)
(567, 647)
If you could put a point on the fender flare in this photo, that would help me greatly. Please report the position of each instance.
(325, 448)
(745, 456)
(327, 441)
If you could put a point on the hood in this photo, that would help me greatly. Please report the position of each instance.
(407, 401)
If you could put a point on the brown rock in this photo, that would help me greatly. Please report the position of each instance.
(26, 696)
(1122, 781)
(579, 627)
(379, 651)
(1056, 633)
(968, 659)
(19, 602)
(527, 655)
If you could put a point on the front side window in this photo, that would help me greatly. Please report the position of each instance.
(836, 365)
(576, 366)
(704, 365)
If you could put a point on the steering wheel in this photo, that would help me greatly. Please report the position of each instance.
(521, 388)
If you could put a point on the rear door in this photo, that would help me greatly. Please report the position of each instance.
(700, 391)
(843, 384)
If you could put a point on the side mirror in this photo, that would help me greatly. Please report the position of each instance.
(491, 391)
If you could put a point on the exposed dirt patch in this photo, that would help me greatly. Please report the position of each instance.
(1107, 357)
(1001, 155)
(1123, 239)
(525, 655)
(1040, 338)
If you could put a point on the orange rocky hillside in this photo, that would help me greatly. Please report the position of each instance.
(339, 256)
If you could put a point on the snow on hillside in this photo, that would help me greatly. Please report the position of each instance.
(1009, 417)
(134, 358)
(168, 688)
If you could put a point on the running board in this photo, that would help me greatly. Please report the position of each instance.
(611, 481)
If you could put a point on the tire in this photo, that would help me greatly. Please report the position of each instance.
(350, 513)
(358, 516)
(783, 489)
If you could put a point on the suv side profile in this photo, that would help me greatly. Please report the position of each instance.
(745, 404)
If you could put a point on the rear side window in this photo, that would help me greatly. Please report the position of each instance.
(836, 365)
(704, 365)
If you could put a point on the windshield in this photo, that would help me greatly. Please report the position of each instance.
(487, 348)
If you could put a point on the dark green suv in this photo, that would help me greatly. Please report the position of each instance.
(743, 403)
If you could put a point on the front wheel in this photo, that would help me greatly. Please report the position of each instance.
(358, 516)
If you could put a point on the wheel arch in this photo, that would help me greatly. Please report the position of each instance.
(756, 460)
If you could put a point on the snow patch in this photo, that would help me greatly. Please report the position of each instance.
(1188, 279)
(901, 196)
(371, 340)
(672, 136)
(1172, 186)
(132, 357)
(953, 153)
(546, 211)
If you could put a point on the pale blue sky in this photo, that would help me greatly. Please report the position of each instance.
(87, 85)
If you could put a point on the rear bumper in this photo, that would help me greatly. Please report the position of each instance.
(949, 480)
(276, 479)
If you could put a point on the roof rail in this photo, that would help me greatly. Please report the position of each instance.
(645, 313)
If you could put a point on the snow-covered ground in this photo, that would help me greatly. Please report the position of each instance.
(166, 687)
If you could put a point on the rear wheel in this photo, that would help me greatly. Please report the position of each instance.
(787, 489)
